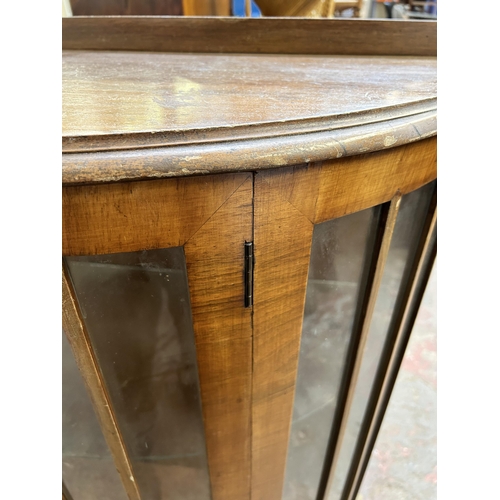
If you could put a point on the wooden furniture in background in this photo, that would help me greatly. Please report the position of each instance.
(206, 8)
(297, 8)
(272, 8)
(190, 143)
(128, 7)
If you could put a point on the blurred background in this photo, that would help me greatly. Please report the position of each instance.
(397, 9)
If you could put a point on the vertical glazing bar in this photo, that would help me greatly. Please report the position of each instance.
(372, 292)
(223, 336)
(282, 259)
(367, 279)
(411, 306)
(82, 351)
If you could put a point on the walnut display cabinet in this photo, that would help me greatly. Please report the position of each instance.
(249, 222)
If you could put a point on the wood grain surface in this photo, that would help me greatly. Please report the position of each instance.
(212, 217)
(288, 202)
(282, 247)
(341, 187)
(223, 334)
(79, 341)
(245, 155)
(118, 93)
(151, 97)
(251, 35)
(112, 218)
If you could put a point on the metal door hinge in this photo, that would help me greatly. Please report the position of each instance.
(248, 273)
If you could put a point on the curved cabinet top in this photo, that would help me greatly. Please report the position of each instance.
(204, 95)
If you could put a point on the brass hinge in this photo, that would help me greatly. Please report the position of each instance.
(248, 273)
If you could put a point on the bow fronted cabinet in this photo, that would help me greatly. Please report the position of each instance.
(249, 222)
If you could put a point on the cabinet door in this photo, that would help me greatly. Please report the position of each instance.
(154, 311)
(342, 252)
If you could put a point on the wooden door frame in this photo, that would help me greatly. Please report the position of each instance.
(211, 216)
(247, 357)
(288, 203)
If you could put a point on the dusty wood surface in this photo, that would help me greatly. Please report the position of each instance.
(282, 246)
(131, 99)
(282, 92)
(251, 35)
(223, 334)
(245, 155)
(127, 217)
(78, 339)
(130, 114)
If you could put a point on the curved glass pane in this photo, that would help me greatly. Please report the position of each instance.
(137, 311)
(340, 251)
(88, 470)
(407, 232)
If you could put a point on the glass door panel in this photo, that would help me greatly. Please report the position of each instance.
(88, 470)
(340, 254)
(342, 251)
(136, 308)
(408, 229)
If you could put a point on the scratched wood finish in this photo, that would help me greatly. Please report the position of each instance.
(223, 334)
(341, 187)
(78, 339)
(112, 218)
(144, 115)
(245, 155)
(176, 98)
(288, 202)
(251, 35)
(283, 238)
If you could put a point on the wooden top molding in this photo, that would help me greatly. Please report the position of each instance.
(251, 35)
(161, 97)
